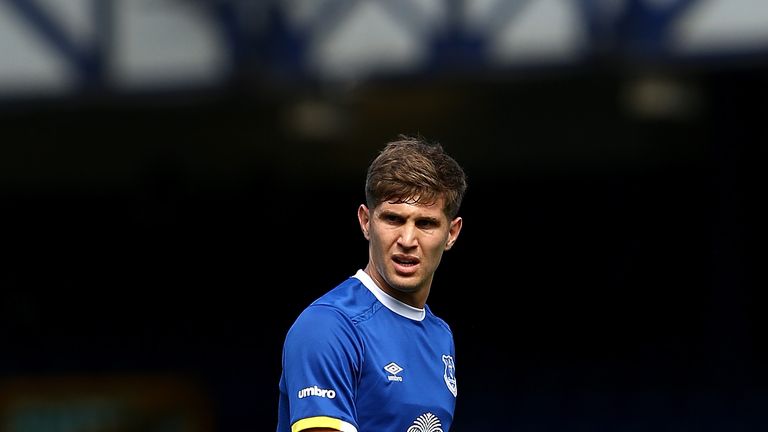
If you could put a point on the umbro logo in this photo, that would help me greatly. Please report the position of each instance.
(393, 369)
(317, 391)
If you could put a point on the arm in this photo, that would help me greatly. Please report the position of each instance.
(321, 361)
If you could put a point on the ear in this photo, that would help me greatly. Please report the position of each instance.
(453, 232)
(364, 218)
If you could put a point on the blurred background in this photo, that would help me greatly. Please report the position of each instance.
(180, 178)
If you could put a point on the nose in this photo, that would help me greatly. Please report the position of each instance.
(407, 237)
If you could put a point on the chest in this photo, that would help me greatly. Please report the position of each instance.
(408, 378)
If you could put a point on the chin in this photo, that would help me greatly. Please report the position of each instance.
(405, 284)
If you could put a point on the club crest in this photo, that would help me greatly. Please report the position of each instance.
(450, 374)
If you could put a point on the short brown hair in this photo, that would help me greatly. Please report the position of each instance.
(414, 170)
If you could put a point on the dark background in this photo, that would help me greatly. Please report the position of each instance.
(607, 277)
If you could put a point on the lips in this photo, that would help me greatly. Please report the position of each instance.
(405, 260)
(405, 264)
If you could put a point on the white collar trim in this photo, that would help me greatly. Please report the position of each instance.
(390, 302)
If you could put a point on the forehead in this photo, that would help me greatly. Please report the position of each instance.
(432, 210)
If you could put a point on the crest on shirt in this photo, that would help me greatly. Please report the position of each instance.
(450, 374)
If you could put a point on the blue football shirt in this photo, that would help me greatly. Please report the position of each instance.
(358, 360)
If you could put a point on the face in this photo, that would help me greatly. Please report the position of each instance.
(405, 244)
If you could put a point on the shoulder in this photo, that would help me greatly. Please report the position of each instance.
(350, 298)
(319, 322)
(320, 334)
(439, 322)
(335, 313)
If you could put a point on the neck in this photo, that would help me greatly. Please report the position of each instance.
(417, 298)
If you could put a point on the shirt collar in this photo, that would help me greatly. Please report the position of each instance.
(390, 302)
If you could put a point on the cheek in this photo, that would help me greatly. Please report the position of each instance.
(376, 239)
(382, 236)
(435, 247)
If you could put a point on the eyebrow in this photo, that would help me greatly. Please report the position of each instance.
(429, 219)
(423, 218)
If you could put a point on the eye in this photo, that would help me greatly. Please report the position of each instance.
(427, 223)
(392, 218)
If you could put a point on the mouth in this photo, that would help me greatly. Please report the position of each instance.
(406, 261)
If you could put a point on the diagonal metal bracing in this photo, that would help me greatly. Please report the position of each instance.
(88, 60)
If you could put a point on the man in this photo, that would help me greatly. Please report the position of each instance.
(369, 355)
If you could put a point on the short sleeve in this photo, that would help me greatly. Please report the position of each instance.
(322, 359)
